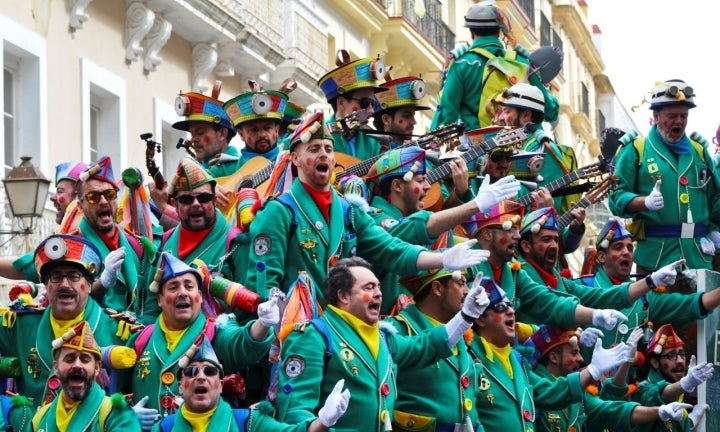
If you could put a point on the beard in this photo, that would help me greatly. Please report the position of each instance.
(76, 375)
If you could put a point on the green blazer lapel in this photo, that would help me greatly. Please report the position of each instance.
(347, 338)
(43, 342)
(130, 266)
(308, 211)
(159, 343)
(49, 420)
(222, 419)
(420, 323)
(88, 410)
(337, 223)
(499, 375)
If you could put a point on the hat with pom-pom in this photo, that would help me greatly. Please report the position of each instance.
(189, 176)
(69, 171)
(506, 215)
(101, 170)
(119, 357)
(404, 162)
(78, 338)
(200, 351)
(614, 230)
(542, 218)
(418, 282)
(199, 107)
(60, 249)
(494, 292)
(171, 267)
(352, 75)
(313, 127)
(547, 337)
(664, 338)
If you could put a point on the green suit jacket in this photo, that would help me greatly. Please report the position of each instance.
(649, 394)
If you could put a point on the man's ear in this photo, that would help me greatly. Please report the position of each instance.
(526, 246)
(386, 120)
(397, 185)
(437, 288)
(655, 363)
(554, 357)
(600, 256)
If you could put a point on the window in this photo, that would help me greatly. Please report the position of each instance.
(9, 118)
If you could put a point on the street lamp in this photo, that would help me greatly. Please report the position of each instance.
(27, 190)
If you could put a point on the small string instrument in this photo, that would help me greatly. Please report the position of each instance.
(151, 148)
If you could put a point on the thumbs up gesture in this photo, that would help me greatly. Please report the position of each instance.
(655, 201)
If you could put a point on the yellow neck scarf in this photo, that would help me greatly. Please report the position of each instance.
(198, 421)
(502, 354)
(369, 333)
(64, 413)
(171, 336)
(59, 327)
(436, 323)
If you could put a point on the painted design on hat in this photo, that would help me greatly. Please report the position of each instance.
(60, 248)
(543, 218)
(407, 91)
(257, 104)
(199, 107)
(79, 338)
(418, 282)
(189, 176)
(664, 338)
(613, 230)
(171, 267)
(200, 351)
(507, 215)
(312, 127)
(405, 162)
(69, 171)
(101, 170)
(352, 75)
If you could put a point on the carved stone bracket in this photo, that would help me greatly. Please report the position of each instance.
(154, 41)
(138, 22)
(226, 54)
(76, 8)
(204, 60)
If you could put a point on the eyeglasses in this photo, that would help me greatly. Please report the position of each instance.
(499, 156)
(208, 371)
(202, 198)
(674, 355)
(57, 277)
(502, 306)
(93, 197)
(365, 102)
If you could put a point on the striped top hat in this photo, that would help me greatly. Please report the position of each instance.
(199, 107)
(66, 249)
(507, 215)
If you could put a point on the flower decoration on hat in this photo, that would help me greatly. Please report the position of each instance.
(199, 107)
(543, 218)
(79, 338)
(401, 92)
(69, 171)
(200, 351)
(614, 230)
(405, 162)
(416, 283)
(507, 215)
(101, 170)
(664, 338)
(352, 75)
(63, 248)
(257, 104)
(189, 176)
(312, 127)
(171, 267)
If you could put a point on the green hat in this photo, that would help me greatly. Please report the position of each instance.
(256, 105)
(189, 175)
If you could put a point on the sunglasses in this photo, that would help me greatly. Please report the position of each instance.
(365, 102)
(500, 156)
(93, 197)
(208, 371)
(501, 307)
(202, 198)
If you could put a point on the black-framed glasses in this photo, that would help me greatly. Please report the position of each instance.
(93, 197)
(500, 156)
(674, 355)
(364, 102)
(502, 306)
(202, 198)
(72, 276)
(207, 370)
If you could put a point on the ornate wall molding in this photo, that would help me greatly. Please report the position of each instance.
(204, 60)
(76, 8)
(138, 22)
(154, 41)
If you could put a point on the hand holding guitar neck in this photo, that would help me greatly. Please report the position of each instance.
(187, 145)
(153, 170)
(348, 125)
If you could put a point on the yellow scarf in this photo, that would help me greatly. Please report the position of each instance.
(171, 336)
(198, 421)
(436, 323)
(369, 333)
(63, 413)
(502, 354)
(59, 327)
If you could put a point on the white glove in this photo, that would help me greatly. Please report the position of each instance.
(335, 405)
(715, 238)
(672, 411)
(460, 256)
(589, 336)
(696, 375)
(707, 246)
(147, 416)
(605, 360)
(476, 300)
(113, 263)
(607, 318)
(631, 344)
(697, 414)
(666, 275)
(655, 201)
(269, 313)
(490, 195)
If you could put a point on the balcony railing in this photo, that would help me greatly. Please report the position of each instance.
(426, 18)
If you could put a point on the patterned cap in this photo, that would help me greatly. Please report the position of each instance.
(542, 218)
(664, 338)
(405, 162)
(198, 107)
(493, 291)
(312, 127)
(78, 338)
(403, 92)
(62, 248)
(613, 231)
(672, 92)
(189, 176)
(507, 214)
(527, 165)
(352, 75)
(256, 105)
(101, 170)
(476, 137)
(200, 351)
(172, 267)
(292, 112)
(69, 171)
(418, 282)
(546, 338)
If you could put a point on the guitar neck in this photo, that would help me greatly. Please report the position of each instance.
(258, 178)
(444, 170)
(567, 217)
(554, 185)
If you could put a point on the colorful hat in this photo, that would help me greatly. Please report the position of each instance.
(78, 338)
(402, 92)
(664, 338)
(171, 267)
(189, 175)
(542, 218)
(672, 92)
(292, 113)
(101, 170)
(63, 248)
(507, 214)
(200, 351)
(546, 338)
(405, 162)
(527, 165)
(493, 291)
(476, 137)
(613, 231)
(417, 282)
(349, 76)
(312, 127)
(198, 107)
(69, 171)
(256, 105)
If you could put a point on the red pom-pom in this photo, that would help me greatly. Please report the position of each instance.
(233, 385)
(566, 273)
(257, 205)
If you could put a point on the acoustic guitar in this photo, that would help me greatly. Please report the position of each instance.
(252, 174)
(594, 195)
